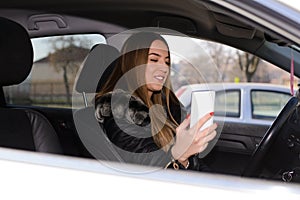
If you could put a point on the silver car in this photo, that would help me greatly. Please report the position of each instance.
(251, 103)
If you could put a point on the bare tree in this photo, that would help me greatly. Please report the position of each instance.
(67, 57)
(222, 57)
(248, 63)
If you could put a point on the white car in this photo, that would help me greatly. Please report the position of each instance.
(45, 155)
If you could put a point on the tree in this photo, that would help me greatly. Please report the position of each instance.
(248, 63)
(67, 57)
(223, 58)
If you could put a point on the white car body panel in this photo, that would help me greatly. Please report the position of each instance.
(46, 176)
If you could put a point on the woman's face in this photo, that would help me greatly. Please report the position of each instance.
(158, 66)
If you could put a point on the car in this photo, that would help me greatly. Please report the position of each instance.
(250, 103)
(49, 141)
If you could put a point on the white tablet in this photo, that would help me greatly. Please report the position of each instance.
(203, 102)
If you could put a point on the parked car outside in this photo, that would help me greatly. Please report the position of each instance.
(251, 103)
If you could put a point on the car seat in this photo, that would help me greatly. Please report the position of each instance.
(21, 128)
(93, 73)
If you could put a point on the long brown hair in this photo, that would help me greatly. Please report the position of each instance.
(135, 53)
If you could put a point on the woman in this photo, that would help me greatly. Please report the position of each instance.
(141, 115)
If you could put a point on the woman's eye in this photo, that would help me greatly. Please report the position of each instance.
(167, 63)
(153, 60)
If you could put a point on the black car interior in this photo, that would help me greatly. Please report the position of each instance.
(277, 151)
(62, 131)
(21, 128)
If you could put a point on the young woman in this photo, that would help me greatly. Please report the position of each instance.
(141, 115)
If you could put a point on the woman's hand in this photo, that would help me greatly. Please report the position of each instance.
(190, 141)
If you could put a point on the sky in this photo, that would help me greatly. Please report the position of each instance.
(293, 3)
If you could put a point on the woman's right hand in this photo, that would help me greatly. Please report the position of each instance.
(190, 141)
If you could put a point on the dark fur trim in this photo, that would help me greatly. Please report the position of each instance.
(123, 106)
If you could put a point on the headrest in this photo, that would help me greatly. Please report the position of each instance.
(96, 68)
(16, 53)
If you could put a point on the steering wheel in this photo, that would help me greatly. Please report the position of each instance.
(255, 165)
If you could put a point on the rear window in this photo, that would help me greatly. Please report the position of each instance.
(56, 62)
(267, 104)
(227, 103)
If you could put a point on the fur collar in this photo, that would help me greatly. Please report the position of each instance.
(124, 106)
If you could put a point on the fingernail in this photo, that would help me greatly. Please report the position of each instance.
(188, 116)
(212, 113)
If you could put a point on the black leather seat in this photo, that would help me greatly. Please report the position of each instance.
(21, 128)
(96, 68)
(98, 65)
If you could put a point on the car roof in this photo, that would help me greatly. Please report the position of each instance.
(245, 85)
(201, 19)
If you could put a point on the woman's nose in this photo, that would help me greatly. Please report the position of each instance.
(163, 63)
(163, 67)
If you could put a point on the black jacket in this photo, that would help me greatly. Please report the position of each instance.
(126, 122)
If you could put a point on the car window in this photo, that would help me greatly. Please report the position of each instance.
(227, 103)
(210, 65)
(56, 62)
(267, 104)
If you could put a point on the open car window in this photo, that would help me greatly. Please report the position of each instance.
(57, 60)
(233, 74)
